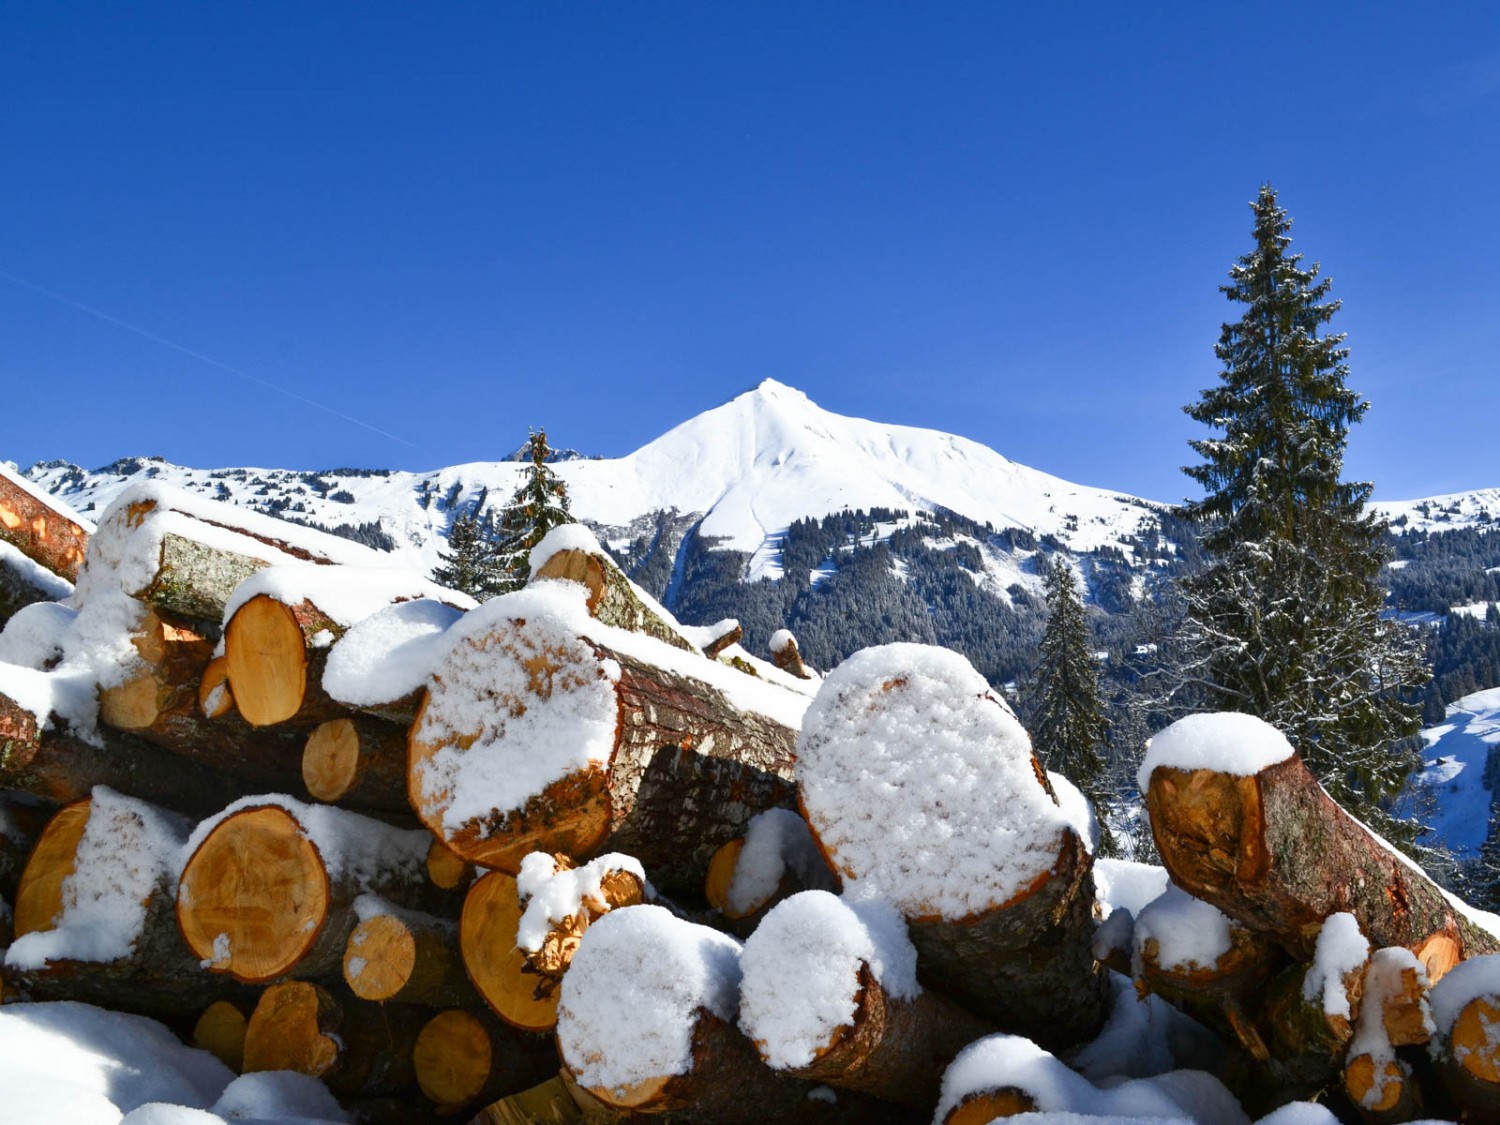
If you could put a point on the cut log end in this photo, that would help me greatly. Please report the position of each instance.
(487, 941)
(220, 1031)
(39, 896)
(976, 1109)
(453, 1058)
(446, 868)
(291, 1029)
(330, 760)
(380, 957)
(1194, 815)
(1471, 1039)
(254, 895)
(266, 656)
(720, 877)
(1381, 1091)
(215, 697)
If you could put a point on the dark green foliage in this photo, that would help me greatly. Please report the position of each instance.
(1439, 571)
(1465, 655)
(472, 562)
(538, 505)
(1285, 620)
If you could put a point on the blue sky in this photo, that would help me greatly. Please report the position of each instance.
(449, 222)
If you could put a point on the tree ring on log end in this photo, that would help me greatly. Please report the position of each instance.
(380, 957)
(266, 656)
(976, 1109)
(39, 895)
(330, 760)
(1470, 1039)
(254, 896)
(487, 942)
(1209, 827)
(288, 1031)
(452, 1057)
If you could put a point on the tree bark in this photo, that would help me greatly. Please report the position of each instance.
(1275, 852)
(39, 530)
(686, 772)
(20, 588)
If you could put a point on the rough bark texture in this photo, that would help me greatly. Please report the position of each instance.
(54, 765)
(357, 762)
(612, 598)
(1027, 965)
(1221, 995)
(1275, 852)
(194, 581)
(17, 591)
(687, 773)
(39, 531)
(895, 1049)
(732, 635)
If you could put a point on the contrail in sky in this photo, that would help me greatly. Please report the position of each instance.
(118, 323)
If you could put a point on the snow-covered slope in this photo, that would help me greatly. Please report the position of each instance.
(749, 468)
(1454, 772)
(1479, 508)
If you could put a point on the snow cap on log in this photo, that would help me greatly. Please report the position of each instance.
(344, 594)
(1187, 932)
(777, 843)
(802, 972)
(631, 999)
(552, 894)
(1340, 951)
(1225, 742)
(390, 654)
(921, 785)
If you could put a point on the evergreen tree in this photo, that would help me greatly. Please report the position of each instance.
(1068, 727)
(470, 563)
(1285, 620)
(539, 504)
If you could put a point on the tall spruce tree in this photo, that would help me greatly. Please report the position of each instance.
(1068, 726)
(471, 563)
(1285, 620)
(538, 505)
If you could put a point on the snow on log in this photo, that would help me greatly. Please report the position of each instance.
(1240, 822)
(560, 903)
(776, 858)
(1466, 1014)
(1006, 1075)
(40, 755)
(1310, 1010)
(787, 656)
(719, 636)
(93, 918)
(1188, 952)
(921, 789)
(645, 1022)
(546, 730)
(280, 624)
(571, 552)
(406, 956)
(830, 994)
(381, 664)
(24, 582)
(461, 1057)
(355, 1048)
(358, 762)
(270, 883)
(487, 942)
(1394, 1012)
(41, 527)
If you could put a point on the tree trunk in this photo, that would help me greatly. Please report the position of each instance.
(685, 772)
(38, 529)
(462, 1057)
(270, 889)
(487, 943)
(613, 599)
(406, 956)
(275, 655)
(1275, 852)
(359, 763)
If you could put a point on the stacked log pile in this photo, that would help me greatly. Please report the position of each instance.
(558, 857)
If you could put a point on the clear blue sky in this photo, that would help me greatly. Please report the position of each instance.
(452, 221)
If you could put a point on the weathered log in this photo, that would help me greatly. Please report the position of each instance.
(724, 634)
(1393, 1013)
(41, 528)
(94, 912)
(830, 998)
(535, 737)
(1275, 852)
(572, 553)
(171, 665)
(680, 1007)
(220, 1031)
(269, 888)
(788, 657)
(52, 764)
(359, 763)
(560, 902)
(355, 1048)
(462, 1057)
(487, 943)
(405, 956)
(1310, 1010)
(24, 582)
(1001, 912)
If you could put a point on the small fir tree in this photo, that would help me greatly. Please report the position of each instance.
(1285, 621)
(471, 563)
(538, 505)
(1068, 725)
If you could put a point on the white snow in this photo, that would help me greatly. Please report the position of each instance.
(345, 594)
(389, 654)
(1453, 773)
(1382, 981)
(1340, 950)
(565, 537)
(782, 639)
(1126, 884)
(1224, 741)
(552, 897)
(801, 971)
(628, 1004)
(776, 840)
(1461, 985)
(1188, 932)
(129, 851)
(920, 784)
(1077, 809)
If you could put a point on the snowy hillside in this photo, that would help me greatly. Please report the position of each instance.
(1455, 772)
(1478, 509)
(748, 468)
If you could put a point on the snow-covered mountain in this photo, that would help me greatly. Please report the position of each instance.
(1457, 772)
(743, 472)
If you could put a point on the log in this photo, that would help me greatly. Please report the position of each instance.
(667, 1042)
(1465, 1010)
(275, 664)
(220, 1031)
(775, 859)
(41, 528)
(22, 819)
(787, 656)
(93, 917)
(724, 634)
(1384, 1090)
(535, 737)
(50, 763)
(359, 763)
(1310, 1010)
(830, 998)
(558, 1101)
(1001, 913)
(561, 902)
(461, 1057)
(1275, 852)
(24, 583)
(487, 943)
(572, 553)
(405, 956)
(357, 1049)
(215, 696)
(270, 885)
(1393, 1013)
(446, 869)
